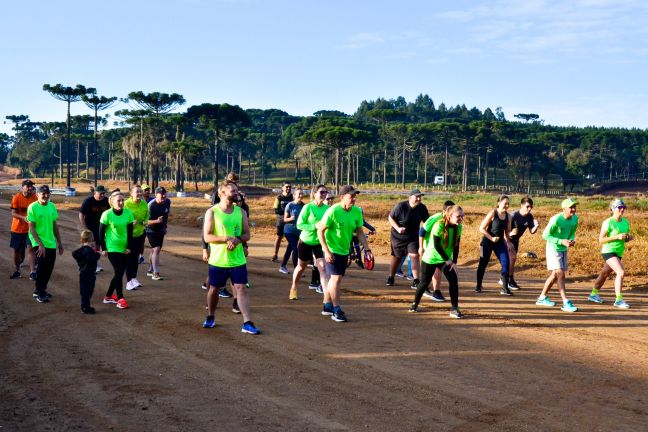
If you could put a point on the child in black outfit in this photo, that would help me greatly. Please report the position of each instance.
(87, 258)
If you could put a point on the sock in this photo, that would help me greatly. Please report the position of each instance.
(619, 297)
(595, 291)
(328, 305)
(541, 297)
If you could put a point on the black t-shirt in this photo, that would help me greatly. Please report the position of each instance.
(155, 211)
(410, 218)
(87, 259)
(92, 210)
(522, 223)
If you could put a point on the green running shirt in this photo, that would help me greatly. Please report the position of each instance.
(140, 214)
(614, 228)
(116, 229)
(43, 216)
(229, 225)
(430, 254)
(307, 220)
(341, 225)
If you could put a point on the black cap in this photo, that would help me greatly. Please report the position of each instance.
(27, 183)
(160, 190)
(43, 189)
(348, 189)
(100, 189)
(416, 192)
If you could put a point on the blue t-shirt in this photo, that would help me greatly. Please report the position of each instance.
(293, 209)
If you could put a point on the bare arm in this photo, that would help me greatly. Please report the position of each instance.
(363, 240)
(58, 238)
(82, 221)
(41, 248)
(320, 235)
(484, 225)
(15, 214)
(208, 229)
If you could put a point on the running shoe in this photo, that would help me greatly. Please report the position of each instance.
(204, 286)
(456, 313)
(478, 289)
(136, 283)
(42, 298)
(427, 293)
(99, 269)
(505, 291)
(568, 306)
(594, 298)
(129, 285)
(156, 276)
(249, 328)
(313, 286)
(621, 304)
(15, 275)
(275, 258)
(437, 296)
(121, 304)
(224, 293)
(88, 310)
(293, 295)
(141, 260)
(319, 289)
(149, 272)
(32, 276)
(513, 285)
(48, 295)
(413, 309)
(235, 307)
(327, 309)
(283, 269)
(247, 285)
(415, 283)
(545, 302)
(400, 274)
(390, 281)
(110, 300)
(339, 316)
(210, 322)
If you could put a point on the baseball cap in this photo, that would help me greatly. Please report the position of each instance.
(100, 189)
(27, 183)
(416, 192)
(568, 202)
(617, 203)
(348, 189)
(145, 187)
(43, 189)
(160, 190)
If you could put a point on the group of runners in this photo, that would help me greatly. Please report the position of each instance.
(319, 234)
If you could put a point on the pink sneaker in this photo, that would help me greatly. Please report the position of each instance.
(121, 303)
(111, 299)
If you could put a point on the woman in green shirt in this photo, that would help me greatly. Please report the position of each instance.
(116, 236)
(140, 211)
(613, 236)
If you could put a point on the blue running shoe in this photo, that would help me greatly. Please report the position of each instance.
(621, 304)
(249, 327)
(545, 302)
(224, 293)
(327, 309)
(210, 322)
(568, 306)
(339, 316)
(594, 298)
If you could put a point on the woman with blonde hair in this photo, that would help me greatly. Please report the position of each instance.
(116, 237)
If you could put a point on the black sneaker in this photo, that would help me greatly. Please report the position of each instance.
(415, 283)
(456, 314)
(204, 286)
(413, 309)
(42, 298)
(478, 289)
(506, 291)
(235, 307)
(88, 310)
(339, 316)
(275, 258)
(15, 275)
(32, 276)
(224, 293)
(513, 285)
(437, 296)
(390, 281)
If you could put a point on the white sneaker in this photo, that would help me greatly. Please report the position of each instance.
(99, 269)
(130, 286)
(136, 283)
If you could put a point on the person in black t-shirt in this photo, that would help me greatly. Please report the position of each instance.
(279, 206)
(405, 220)
(159, 210)
(86, 256)
(90, 213)
(521, 220)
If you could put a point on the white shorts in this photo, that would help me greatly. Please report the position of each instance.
(556, 260)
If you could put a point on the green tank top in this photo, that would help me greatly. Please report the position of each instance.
(231, 225)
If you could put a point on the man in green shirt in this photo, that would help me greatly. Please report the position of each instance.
(560, 235)
(335, 233)
(45, 239)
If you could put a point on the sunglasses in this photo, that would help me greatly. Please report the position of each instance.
(622, 207)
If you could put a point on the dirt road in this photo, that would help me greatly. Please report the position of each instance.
(510, 365)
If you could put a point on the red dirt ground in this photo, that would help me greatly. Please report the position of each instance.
(508, 366)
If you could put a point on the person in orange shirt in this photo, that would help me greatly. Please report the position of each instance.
(20, 229)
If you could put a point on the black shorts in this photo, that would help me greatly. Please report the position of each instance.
(305, 252)
(280, 230)
(155, 239)
(337, 268)
(19, 241)
(401, 248)
(515, 241)
(607, 256)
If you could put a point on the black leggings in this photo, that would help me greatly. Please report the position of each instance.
(427, 272)
(119, 261)
(133, 257)
(45, 265)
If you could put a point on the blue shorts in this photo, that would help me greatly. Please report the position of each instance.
(218, 275)
(337, 268)
(19, 241)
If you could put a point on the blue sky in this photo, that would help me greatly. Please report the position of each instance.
(572, 62)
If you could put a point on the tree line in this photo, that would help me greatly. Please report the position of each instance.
(386, 142)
